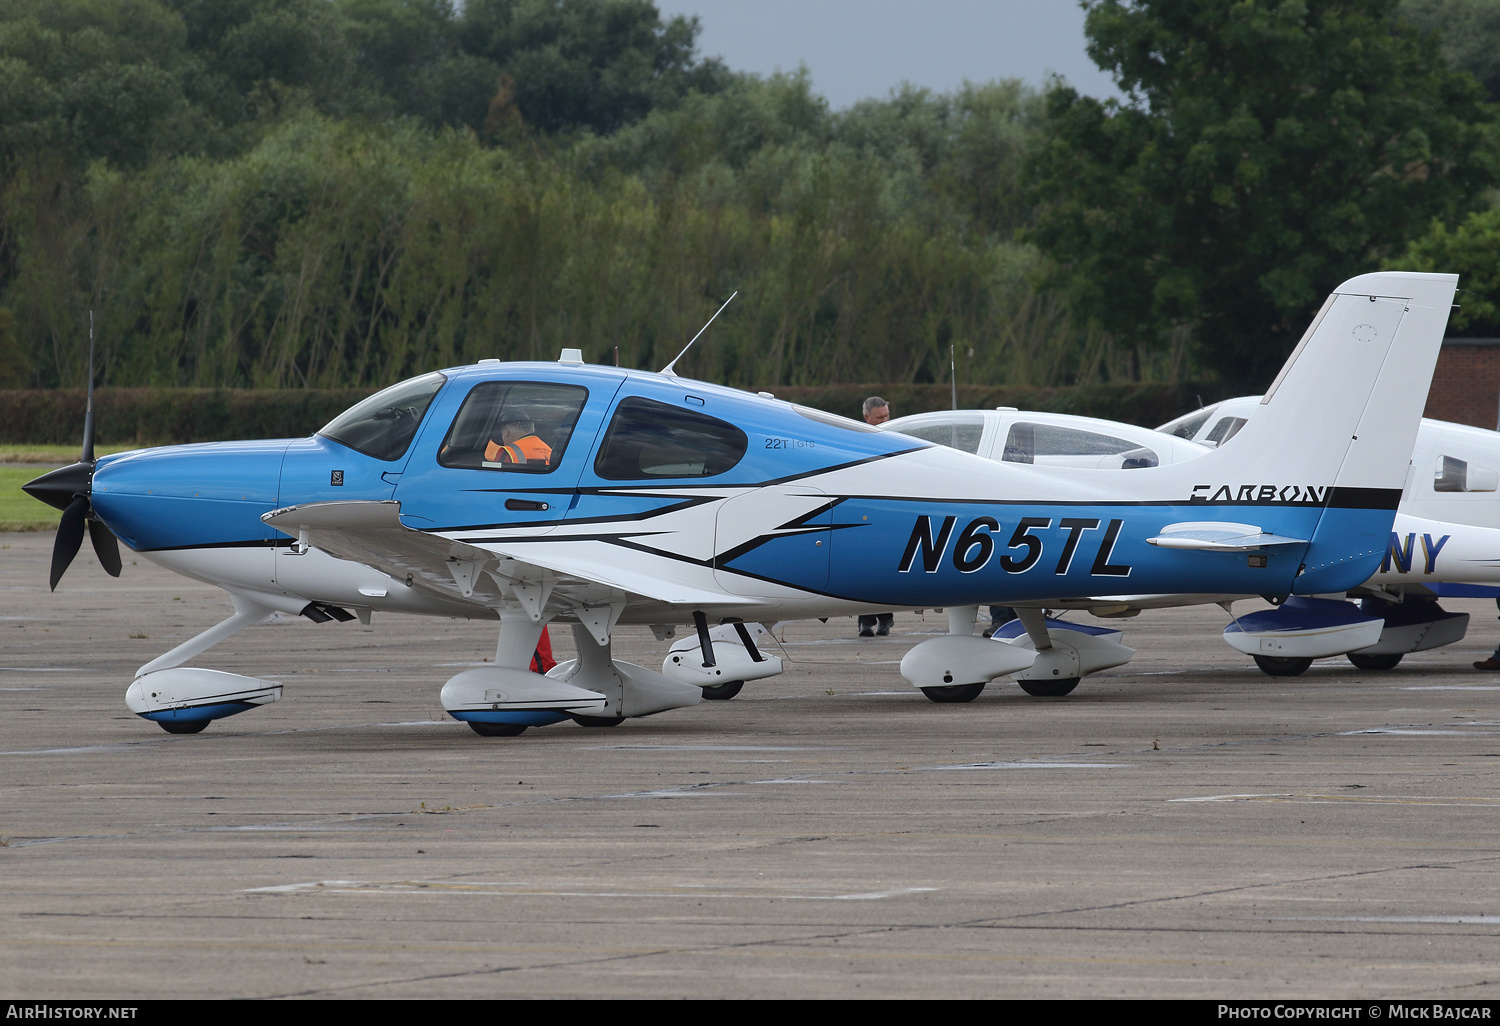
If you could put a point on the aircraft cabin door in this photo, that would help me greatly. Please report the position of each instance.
(507, 463)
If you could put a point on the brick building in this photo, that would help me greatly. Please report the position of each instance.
(1466, 384)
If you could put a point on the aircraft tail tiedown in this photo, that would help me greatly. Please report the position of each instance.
(1339, 422)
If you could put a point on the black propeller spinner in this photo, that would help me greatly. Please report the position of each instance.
(68, 489)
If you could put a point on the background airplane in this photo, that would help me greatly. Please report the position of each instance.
(1453, 548)
(663, 501)
(1445, 541)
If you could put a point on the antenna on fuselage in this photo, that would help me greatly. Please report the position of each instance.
(953, 375)
(88, 410)
(668, 368)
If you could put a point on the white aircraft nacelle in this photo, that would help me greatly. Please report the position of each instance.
(1304, 628)
(1417, 627)
(1076, 650)
(506, 695)
(732, 660)
(641, 692)
(185, 698)
(957, 659)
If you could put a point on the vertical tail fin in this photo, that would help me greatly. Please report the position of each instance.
(1359, 379)
(1337, 427)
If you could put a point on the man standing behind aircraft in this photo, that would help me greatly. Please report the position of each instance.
(877, 411)
(518, 444)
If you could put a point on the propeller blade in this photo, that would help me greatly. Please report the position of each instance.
(105, 547)
(69, 537)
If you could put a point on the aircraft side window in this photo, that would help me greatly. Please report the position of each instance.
(651, 439)
(1062, 441)
(1020, 444)
(519, 426)
(1138, 459)
(1029, 442)
(1454, 475)
(963, 435)
(383, 425)
(1224, 430)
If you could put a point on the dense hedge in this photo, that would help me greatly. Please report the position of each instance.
(1147, 404)
(160, 416)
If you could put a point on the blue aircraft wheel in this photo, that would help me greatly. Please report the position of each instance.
(954, 693)
(1386, 661)
(1049, 688)
(722, 692)
(182, 726)
(1282, 666)
(598, 721)
(496, 729)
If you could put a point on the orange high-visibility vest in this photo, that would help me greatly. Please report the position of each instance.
(529, 449)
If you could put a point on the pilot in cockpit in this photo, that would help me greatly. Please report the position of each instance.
(518, 444)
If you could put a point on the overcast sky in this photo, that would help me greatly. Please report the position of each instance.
(861, 48)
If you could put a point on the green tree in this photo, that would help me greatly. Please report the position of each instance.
(1468, 34)
(1267, 149)
(1472, 251)
(595, 64)
(82, 80)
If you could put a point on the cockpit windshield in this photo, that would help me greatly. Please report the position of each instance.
(383, 425)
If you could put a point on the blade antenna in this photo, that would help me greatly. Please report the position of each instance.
(953, 374)
(88, 412)
(668, 368)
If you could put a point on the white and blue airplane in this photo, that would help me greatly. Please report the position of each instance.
(531, 493)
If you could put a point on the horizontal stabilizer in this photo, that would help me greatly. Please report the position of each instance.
(1217, 536)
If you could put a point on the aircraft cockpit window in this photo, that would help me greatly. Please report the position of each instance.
(1224, 430)
(1187, 426)
(1051, 445)
(1453, 475)
(513, 426)
(651, 439)
(962, 434)
(383, 425)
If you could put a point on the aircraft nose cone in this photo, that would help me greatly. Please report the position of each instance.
(57, 488)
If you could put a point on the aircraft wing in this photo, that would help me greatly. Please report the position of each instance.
(537, 572)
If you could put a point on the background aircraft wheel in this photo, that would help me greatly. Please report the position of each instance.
(954, 693)
(1049, 688)
(496, 729)
(722, 692)
(1375, 662)
(1282, 666)
(182, 726)
(598, 721)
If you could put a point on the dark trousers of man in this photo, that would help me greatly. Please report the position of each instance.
(879, 623)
